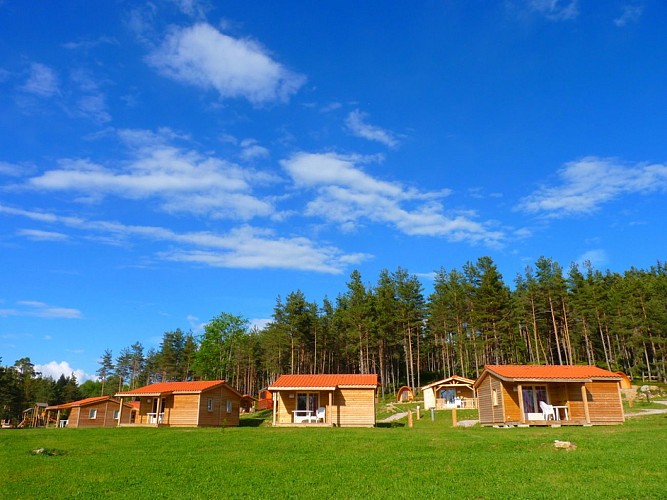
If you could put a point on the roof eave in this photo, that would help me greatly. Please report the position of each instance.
(302, 387)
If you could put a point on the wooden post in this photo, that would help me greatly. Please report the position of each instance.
(522, 411)
(454, 420)
(584, 398)
(410, 419)
(157, 412)
(418, 413)
(120, 411)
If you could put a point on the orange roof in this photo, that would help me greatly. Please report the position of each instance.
(174, 388)
(324, 381)
(550, 372)
(82, 402)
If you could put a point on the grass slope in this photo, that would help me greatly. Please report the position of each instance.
(431, 460)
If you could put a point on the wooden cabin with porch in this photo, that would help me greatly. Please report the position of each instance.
(548, 395)
(452, 392)
(211, 403)
(341, 400)
(102, 411)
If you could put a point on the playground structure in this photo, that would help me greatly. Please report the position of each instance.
(35, 416)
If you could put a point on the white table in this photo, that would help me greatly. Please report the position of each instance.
(557, 410)
(301, 416)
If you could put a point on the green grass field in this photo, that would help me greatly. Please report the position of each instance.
(431, 460)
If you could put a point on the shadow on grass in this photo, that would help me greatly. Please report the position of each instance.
(389, 425)
(251, 422)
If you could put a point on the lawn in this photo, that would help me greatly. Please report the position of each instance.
(430, 460)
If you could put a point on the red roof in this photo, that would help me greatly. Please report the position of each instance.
(83, 402)
(550, 372)
(324, 381)
(174, 387)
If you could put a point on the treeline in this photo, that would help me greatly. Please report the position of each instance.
(21, 387)
(472, 318)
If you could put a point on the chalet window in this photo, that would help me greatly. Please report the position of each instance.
(229, 406)
(532, 395)
(494, 397)
(116, 414)
(92, 414)
(210, 405)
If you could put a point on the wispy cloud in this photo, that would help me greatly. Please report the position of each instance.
(204, 57)
(630, 14)
(244, 247)
(356, 124)
(40, 310)
(39, 235)
(555, 10)
(42, 81)
(184, 180)
(597, 258)
(586, 184)
(347, 196)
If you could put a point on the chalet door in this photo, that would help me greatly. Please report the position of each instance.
(532, 395)
(307, 401)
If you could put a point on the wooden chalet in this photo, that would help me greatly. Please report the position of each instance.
(548, 395)
(102, 411)
(451, 392)
(210, 403)
(327, 400)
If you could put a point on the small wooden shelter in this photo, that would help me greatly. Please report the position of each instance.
(186, 404)
(247, 403)
(451, 392)
(102, 411)
(343, 400)
(548, 395)
(405, 394)
(265, 400)
(626, 383)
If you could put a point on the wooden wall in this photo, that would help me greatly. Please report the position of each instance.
(354, 408)
(80, 416)
(488, 412)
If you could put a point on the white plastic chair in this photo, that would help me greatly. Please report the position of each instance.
(547, 411)
(319, 414)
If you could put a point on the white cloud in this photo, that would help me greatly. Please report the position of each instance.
(40, 310)
(245, 247)
(12, 169)
(630, 14)
(55, 369)
(184, 180)
(357, 125)
(587, 184)
(555, 10)
(253, 248)
(42, 81)
(259, 323)
(39, 235)
(597, 257)
(204, 57)
(346, 195)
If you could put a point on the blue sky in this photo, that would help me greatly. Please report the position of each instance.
(162, 162)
